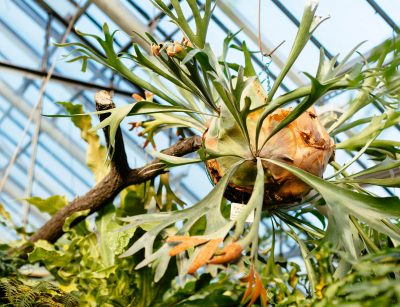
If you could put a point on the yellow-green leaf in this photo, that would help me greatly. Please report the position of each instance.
(111, 241)
(4, 213)
(49, 205)
(46, 253)
(96, 153)
(68, 221)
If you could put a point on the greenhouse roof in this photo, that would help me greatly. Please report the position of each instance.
(27, 54)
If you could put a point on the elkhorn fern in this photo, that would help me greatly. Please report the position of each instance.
(257, 151)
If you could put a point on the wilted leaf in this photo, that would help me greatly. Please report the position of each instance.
(4, 213)
(96, 154)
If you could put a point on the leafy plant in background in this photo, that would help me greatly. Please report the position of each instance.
(257, 153)
(43, 293)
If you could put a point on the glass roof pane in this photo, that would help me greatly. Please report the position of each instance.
(22, 33)
(391, 8)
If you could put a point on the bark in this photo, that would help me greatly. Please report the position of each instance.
(119, 177)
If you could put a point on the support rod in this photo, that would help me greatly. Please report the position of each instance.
(384, 15)
(77, 84)
(293, 19)
(47, 126)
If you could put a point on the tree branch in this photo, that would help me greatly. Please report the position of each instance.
(119, 177)
(119, 161)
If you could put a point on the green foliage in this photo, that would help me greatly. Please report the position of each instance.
(374, 211)
(308, 25)
(50, 205)
(87, 262)
(9, 263)
(42, 293)
(222, 290)
(155, 223)
(372, 281)
(111, 241)
(198, 38)
(347, 236)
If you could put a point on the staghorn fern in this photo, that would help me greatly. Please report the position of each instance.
(216, 97)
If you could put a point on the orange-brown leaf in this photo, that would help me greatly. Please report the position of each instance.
(149, 96)
(205, 254)
(249, 276)
(250, 279)
(186, 242)
(137, 97)
(227, 254)
(264, 297)
(258, 288)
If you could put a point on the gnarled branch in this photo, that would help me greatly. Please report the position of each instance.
(119, 177)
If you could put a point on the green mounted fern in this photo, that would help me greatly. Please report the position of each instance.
(259, 153)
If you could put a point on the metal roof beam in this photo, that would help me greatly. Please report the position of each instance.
(42, 22)
(47, 126)
(384, 15)
(75, 83)
(243, 23)
(293, 19)
(56, 157)
(16, 192)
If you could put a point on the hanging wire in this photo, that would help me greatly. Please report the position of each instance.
(266, 57)
(267, 62)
